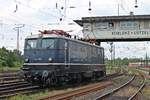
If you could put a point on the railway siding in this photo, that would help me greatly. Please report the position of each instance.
(84, 90)
(128, 91)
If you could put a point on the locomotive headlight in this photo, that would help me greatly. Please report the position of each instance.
(50, 59)
(26, 60)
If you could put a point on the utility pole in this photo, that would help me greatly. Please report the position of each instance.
(17, 28)
(118, 9)
(114, 63)
(146, 59)
(65, 9)
(111, 51)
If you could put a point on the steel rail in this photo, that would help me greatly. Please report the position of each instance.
(15, 86)
(22, 90)
(18, 89)
(115, 90)
(9, 78)
(9, 82)
(5, 74)
(141, 87)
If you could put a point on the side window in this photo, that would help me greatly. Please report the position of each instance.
(129, 25)
(111, 24)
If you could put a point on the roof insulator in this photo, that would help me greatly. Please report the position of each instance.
(90, 6)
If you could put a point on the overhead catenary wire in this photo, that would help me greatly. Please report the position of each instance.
(16, 17)
(121, 5)
(42, 12)
(13, 18)
(33, 25)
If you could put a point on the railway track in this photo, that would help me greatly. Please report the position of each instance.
(127, 91)
(14, 87)
(82, 91)
(8, 76)
(79, 92)
(11, 85)
(117, 81)
(4, 74)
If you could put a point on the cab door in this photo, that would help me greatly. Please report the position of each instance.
(63, 51)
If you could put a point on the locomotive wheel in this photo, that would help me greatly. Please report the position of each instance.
(48, 81)
(94, 76)
(51, 80)
(79, 78)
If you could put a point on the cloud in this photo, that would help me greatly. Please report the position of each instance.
(39, 15)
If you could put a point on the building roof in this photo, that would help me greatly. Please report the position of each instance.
(111, 18)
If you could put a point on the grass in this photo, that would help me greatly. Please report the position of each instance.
(146, 91)
(111, 70)
(146, 70)
(7, 69)
(29, 97)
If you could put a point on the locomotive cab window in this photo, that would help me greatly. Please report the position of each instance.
(31, 44)
(48, 43)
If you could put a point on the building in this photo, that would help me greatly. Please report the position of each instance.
(116, 28)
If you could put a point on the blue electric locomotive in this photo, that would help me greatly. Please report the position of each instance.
(51, 59)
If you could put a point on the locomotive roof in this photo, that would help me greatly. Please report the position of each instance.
(57, 36)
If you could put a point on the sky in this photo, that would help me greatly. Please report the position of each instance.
(37, 15)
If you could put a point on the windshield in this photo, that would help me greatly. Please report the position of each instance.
(48, 43)
(37, 43)
(31, 44)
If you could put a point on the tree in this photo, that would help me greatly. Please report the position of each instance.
(10, 58)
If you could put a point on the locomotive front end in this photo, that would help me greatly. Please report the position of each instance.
(40, 54)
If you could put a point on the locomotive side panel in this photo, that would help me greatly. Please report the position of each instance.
(78, 53)
(89, 58)
(83, 53)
